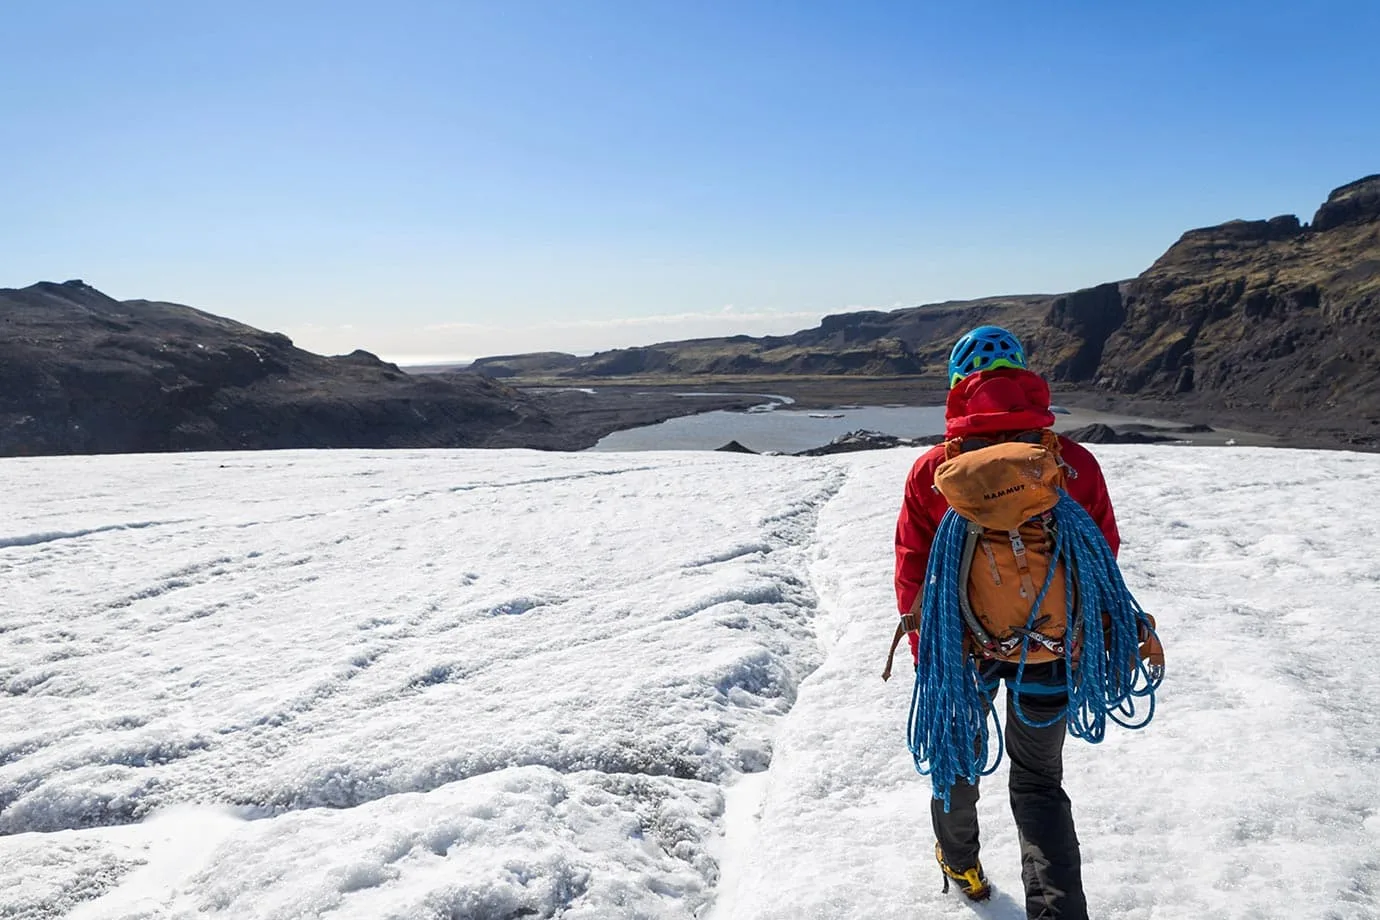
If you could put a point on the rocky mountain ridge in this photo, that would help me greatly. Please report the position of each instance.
(1274, 313)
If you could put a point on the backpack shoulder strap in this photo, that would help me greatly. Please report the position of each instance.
(909, 622)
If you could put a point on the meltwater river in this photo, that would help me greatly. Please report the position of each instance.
(782, 429)
(778, 428)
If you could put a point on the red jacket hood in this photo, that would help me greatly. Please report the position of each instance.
(1004, 399)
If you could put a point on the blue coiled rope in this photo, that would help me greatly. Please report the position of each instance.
(949, 712)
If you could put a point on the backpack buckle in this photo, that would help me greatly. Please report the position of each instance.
(1020, 634)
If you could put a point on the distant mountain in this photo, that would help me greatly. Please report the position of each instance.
(540, 362)
(867, 343)
(1265, 314)
(81, 372)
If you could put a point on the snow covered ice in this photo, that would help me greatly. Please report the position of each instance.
(491, 685)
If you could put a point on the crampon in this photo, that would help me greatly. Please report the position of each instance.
(972, 882)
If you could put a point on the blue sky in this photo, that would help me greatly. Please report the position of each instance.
(429, 179)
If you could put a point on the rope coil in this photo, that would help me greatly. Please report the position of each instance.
(947, 728)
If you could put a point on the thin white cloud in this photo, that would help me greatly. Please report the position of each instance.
(456, 342)
(626, 322)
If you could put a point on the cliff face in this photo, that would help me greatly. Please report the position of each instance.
(81, 372)
(1074, 333)
(1354, 203)
(1271, 314)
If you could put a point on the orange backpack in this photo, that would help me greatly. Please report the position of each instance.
(1005, 490)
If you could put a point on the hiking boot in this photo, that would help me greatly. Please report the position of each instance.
(972, 882)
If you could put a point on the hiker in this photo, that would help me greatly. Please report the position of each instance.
(993, 398)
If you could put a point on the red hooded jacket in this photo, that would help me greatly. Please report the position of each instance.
(1002, 401)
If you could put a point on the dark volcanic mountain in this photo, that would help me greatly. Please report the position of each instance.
(1265, 316)
(83, 373)
(1267, 312)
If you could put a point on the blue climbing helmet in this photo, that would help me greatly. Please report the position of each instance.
(982, 349)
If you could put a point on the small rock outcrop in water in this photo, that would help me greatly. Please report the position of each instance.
(1098, 433)
(863, 439)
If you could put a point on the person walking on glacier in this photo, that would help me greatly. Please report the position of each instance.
(993, 399)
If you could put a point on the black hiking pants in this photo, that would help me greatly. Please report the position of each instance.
(1050, 864)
